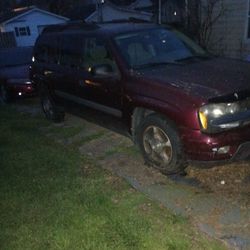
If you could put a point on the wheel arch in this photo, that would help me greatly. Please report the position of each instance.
(140, 113)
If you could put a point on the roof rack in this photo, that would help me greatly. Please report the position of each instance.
(70, 25)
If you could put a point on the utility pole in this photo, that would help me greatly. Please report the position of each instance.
(159, 12)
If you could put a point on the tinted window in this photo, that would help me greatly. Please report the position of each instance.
(47, 49)
(71, 50)
(41, 50)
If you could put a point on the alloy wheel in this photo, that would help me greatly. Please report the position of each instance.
(157, 145)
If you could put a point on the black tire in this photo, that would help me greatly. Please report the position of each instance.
(51, 110)
(4, 94)
(160, 145)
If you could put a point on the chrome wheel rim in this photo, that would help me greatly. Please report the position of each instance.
(157, 145)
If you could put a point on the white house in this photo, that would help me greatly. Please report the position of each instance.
(110, 12)
(26, 23)
(231, 33)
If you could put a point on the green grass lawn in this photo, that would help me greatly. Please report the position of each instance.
(51, 197)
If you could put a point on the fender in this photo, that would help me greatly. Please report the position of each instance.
(167, 109)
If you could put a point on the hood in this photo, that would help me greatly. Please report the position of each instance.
(206, 78)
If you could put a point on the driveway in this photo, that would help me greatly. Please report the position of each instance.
(217, 200)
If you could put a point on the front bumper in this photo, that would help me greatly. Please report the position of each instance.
(204, 147)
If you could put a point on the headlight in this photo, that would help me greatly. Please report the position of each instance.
(211, 112)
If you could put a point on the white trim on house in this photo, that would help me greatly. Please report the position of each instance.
(32, 10)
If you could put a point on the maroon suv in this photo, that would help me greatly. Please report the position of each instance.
(179, 103)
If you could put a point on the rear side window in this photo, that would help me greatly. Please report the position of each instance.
(47, 50)
(41, 50)
(71, 50)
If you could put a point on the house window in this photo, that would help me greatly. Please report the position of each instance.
(22, 31)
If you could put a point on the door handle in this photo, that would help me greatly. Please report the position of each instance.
(48, 72)
(90, 83)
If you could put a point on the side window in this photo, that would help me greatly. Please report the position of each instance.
(53, 50)
(96, 53)
(41, 51)
(71, 47)
(47, 49)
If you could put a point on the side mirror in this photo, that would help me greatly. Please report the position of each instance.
(102, 70)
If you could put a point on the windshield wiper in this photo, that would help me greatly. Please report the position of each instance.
(154, 64)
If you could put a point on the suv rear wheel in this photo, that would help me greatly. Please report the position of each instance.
(50, 109)
(160, 144)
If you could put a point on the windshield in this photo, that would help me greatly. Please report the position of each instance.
(156, 46)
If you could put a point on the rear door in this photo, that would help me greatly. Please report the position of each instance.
(69, 64)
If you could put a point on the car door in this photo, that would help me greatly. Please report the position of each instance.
(100, 92)
(69, 60)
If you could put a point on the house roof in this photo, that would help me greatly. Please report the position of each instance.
(141, 4)
(13, 13)
(124, 8)
(16, 13)
(118, 8)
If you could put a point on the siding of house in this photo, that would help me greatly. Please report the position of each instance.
(229, 36)
(110, 13)
(7, 40)
(33, 20)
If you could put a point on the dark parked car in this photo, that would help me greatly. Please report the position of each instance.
(179, 103)
(14, 73)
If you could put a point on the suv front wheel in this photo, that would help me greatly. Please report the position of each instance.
(160, 144)
(50, 109)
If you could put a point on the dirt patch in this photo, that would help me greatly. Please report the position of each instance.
(108, 143)
(130, 165)
(229, 180)
(86, 170)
